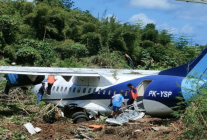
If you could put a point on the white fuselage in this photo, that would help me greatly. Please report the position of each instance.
(74, 89)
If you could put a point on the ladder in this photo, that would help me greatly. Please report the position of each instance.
(132, 112)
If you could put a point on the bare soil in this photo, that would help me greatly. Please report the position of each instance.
(61, 128)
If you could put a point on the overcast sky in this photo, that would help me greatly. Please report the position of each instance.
(180, 18)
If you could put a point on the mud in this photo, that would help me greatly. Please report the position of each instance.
(61, 128)
(64, 129)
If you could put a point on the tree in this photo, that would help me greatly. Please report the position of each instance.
(150, 33)
(29, 54)
(8, 30)
(46, 52)
(164, 37)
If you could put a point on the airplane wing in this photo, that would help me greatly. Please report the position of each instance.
(25, 76)
(18, 76)
(69, 71)
(47, 71)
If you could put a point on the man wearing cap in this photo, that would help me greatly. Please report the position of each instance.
(116, 100)
(133, 94)
(40, 93)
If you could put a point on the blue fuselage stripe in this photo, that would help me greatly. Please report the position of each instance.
(167, 90)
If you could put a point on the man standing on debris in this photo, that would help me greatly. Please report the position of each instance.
(40, 93)
(133, 94)
(50, 81)
(116, 100)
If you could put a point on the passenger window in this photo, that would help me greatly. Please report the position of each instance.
(126, 93)
(99, 91)
(84, 90)
(94, 90)
(61, 89)
(74, 89)
(70, 89)
(57, 89)
(104, 92)
(65, 89)
(109, 92)
(53, 88)
(79, 89)
(114, 92)
(89, 90)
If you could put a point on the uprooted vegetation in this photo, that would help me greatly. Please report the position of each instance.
(17, 109)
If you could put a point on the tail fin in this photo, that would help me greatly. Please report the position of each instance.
(197, 65)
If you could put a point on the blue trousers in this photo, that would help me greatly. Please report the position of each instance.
(39, 98)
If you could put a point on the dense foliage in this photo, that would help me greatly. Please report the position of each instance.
(193, 112)
(52, 33)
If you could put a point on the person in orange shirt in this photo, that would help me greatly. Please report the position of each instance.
(50, 81)
(133, 94)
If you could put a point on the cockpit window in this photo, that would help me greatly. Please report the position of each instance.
(53, 88)
(57, 89)
(61, 89)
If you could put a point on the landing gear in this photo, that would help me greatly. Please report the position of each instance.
(77, 114)
(79, 117)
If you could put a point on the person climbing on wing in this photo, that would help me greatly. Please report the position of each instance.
(133, 94)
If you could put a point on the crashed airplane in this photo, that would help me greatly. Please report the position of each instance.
(87, 92)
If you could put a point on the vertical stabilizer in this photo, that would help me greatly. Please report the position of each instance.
(198, 64)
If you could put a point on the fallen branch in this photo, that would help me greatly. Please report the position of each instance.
(85, 136)
(176, 129)
(45, 108)
(21, 102)
(179, 133)
(53, 107)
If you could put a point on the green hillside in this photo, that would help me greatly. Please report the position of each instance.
(52, 33)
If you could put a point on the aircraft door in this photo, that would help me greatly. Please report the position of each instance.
(141, 90)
